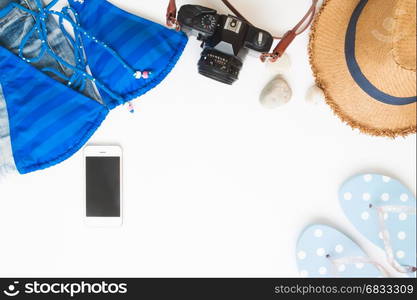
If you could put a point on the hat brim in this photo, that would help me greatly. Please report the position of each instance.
(348, 100)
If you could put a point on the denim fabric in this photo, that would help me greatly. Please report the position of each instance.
(13, 27)
(7, 163)
(18, 23)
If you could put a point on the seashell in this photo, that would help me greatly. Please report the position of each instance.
(282, 65)
(315, 95)
(276, 93)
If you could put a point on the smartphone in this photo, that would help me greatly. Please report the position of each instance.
(103, 185)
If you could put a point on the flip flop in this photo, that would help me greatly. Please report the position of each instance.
(323, 251)
(384, 211)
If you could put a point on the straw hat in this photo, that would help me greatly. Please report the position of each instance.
(363, 54)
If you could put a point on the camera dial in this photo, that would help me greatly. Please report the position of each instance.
(209, 22)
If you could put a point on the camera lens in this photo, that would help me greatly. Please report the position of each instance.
(219, 66)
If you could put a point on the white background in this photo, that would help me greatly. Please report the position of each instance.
(215, 185)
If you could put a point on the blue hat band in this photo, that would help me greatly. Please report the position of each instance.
(355, 70)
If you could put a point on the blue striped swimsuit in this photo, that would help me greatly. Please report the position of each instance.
(57, 87)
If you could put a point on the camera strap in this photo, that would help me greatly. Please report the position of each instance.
(284, 41)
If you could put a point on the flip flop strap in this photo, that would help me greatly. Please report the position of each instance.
(382, 210)
(348, 260)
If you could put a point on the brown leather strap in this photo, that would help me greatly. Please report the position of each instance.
(172, 15)
(234, 10)
(279, 50)
(285, 40)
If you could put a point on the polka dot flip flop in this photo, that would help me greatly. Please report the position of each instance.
(323, 251)
(384, 211)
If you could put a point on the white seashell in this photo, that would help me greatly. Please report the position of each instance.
(276, 93)
(315, 95)
(282, 65)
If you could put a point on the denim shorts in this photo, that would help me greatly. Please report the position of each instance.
(13, 28)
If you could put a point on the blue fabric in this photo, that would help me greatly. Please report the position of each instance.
(143, 45)
(355, 70)
(15, 25)
(54, 104)
(48, 121)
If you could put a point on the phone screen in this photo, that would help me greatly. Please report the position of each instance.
(103, 186)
